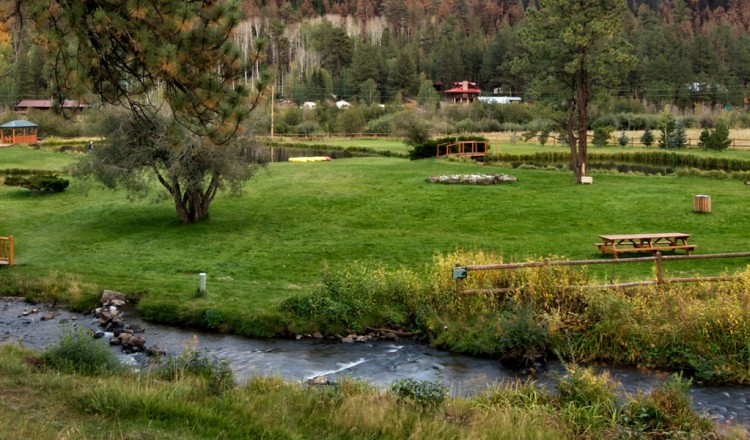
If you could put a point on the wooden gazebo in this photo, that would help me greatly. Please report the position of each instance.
(18, 132)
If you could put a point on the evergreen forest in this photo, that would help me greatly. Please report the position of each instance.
(688, 52)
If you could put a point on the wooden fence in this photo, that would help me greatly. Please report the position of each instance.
(633, 140)
(460, 272)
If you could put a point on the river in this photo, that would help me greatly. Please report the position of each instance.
(377, 362)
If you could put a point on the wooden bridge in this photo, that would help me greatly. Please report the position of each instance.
(471, 149)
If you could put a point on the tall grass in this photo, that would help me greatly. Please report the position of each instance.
(144, 406)
(78, 352)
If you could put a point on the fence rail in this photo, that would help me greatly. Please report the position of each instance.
(460, 272)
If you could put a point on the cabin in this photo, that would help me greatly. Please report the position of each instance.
(463, 92)
(18, 132)
(47, 104)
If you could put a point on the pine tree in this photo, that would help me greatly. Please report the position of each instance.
(647, 138)
(574, 48)
(123, 51)
(719, 139)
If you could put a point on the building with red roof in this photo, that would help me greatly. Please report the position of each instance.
(47, 104)
(463, 92)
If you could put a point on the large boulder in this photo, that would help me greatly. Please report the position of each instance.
(110, 295)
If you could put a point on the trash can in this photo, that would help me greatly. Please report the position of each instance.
(702, 203)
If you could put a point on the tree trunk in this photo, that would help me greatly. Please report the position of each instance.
(191, 205)
(572, 142)
(581, 105)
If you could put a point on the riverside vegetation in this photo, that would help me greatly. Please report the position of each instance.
(195, 397)
(366, 242)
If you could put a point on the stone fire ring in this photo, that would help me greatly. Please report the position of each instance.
(473, 179)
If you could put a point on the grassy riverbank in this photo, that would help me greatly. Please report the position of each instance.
(181, 401)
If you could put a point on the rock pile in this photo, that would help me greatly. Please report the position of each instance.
(371, 335)
(111, 319)
(473, 179)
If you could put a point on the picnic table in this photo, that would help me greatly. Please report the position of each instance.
(652, 243)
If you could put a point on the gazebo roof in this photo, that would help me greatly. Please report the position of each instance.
(18, 123)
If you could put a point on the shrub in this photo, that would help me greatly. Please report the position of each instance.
(587, 400)
(489, 125)
(383, 124)
(307, 127)
(623, 140)
(39, 181)
(718, 139)
(601, 135)
(217, 373)
(664, 412)
(78, 352)
(704, 138)
(543, 136)
(466, 126)
(424, 393)
(678, 138)
(414, 130)
(523, 339)
(647, 138)
(361, 295)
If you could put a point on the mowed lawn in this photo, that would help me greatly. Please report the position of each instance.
(272, 240)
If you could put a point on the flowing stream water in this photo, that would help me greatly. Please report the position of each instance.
(377, 362)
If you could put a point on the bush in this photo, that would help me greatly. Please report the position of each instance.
(647, 138)
(38, 182)
(523, 339)
(664, 412)
(383, 124)
(359, 296)
(623, 140)
(306, 128)
(217, 373)
(718, 139)
(414, 130)
(601, 135)
(424, 393)
(587, 400)
(78, 352)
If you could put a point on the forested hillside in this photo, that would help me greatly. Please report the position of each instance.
(381, 51)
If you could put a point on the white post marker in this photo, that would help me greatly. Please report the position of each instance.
(202, 283)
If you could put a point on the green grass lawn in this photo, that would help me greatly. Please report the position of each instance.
(271, 241)
(26, 158)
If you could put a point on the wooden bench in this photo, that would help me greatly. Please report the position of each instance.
(6, 251)
(648, 243)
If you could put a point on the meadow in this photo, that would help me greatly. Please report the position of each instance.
(272, 240)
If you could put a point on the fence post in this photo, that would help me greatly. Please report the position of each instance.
(659, 274)
(459, 279)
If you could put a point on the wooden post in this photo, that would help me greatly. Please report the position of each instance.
(659, 273)
(6, 250)
(459, 282)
